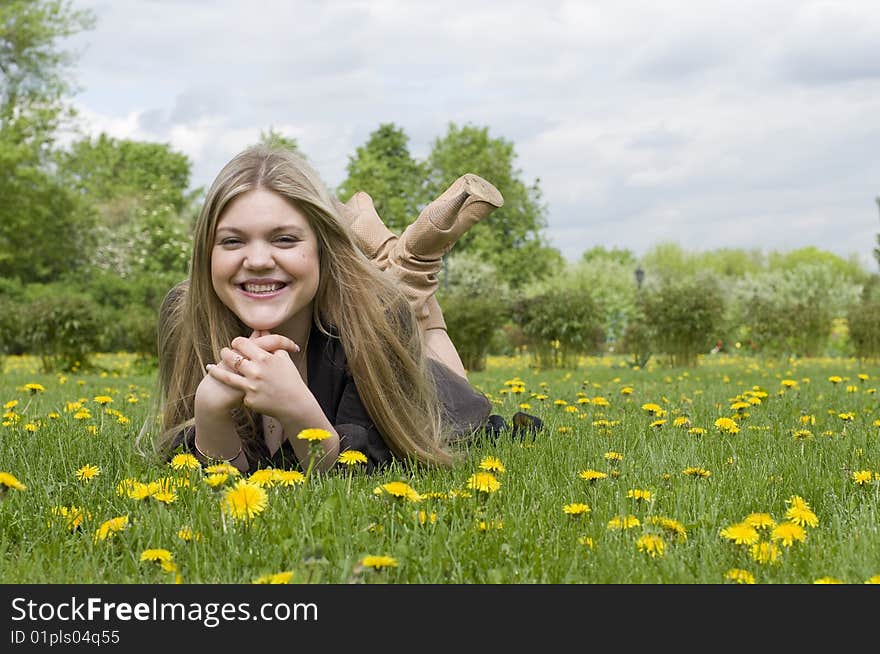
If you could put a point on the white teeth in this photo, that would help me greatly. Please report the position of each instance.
(262, 288)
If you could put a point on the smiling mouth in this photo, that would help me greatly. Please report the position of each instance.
(262, 289)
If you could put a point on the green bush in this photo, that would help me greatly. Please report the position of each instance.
(791, 312)
(63, 328)
(685, 316)
(471, 321)
(560, 325)
(864, 322)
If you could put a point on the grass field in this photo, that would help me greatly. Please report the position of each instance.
(633, 480)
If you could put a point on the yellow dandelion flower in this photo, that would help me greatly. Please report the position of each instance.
(681, 421)
(222, 469)
(216, 479)
(88, 472)
(600, 401)
(626, 390)
(800, 512)
(651, 544)
(244, 501)
(492, 464)
(157, 556)
(765, 552)
(613, 457)
(827, 580)
(847, 417)
(164, 496)
(8, 480)
(103, 399)
(696, 473)
(426, 518)
(564, 429)
(264, 477)
(628, 522)
(133, 489)
(379, 562)
(484, 482)
(185, 462)
(576, 508)
(760, 520)
(487, 525)
(741, 533)
(73, 516)
(275, 578)
(727, 426)
(835, 379)
(671, 526)
(873, 580)
(34, 388)
(640, 495)
(352, 458)
(110, 527)
(586, 541)
(82, 414)
(654, 409)
(11, 404)
(658, 423)
(592, 475)
(188, 535)
(696, 431)
(862, 477)
(399, 490)
(739, 576)
(289, 477)
(313, 435)
(789, 383)
(788, 533)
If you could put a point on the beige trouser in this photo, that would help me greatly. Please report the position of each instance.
(415, 258)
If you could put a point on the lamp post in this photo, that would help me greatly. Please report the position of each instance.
(640, 276)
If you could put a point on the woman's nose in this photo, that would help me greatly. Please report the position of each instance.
(258, 256)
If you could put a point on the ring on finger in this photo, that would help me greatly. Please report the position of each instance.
(237, 364)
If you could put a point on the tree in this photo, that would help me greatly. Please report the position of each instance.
(137, 193)
(275, 139)
(37, 213)
(384, 168)
(877, 249)
(510, 238)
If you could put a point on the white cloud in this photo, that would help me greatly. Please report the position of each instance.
(713, 124)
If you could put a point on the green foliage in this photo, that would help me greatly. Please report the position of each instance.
(37, 213)
(863, 320)
(384, 169)
(791, 312)
(877, 249)
(560, 324)
(475, 304)
(624, 257)
(669, 260)
(275, 139)
(847, 269)
(637, 339)
(107, 170)
(510, 238)
(685, 315)
(62, 327)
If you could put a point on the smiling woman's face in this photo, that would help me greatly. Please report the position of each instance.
(265, 263)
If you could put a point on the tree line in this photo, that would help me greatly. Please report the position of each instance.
(92, 235)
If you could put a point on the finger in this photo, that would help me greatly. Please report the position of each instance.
(233, 360)
(227, 377)
(249, 349)
(259, 332)
(274, 342)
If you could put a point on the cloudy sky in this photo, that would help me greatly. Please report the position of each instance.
(710, 124)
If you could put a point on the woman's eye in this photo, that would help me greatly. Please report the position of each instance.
(230, 242)
(286, 240)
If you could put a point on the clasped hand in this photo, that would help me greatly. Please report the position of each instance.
(258, 373)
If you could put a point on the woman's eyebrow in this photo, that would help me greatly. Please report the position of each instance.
(294, 229)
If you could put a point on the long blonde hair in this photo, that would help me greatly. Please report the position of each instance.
(368, 313)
